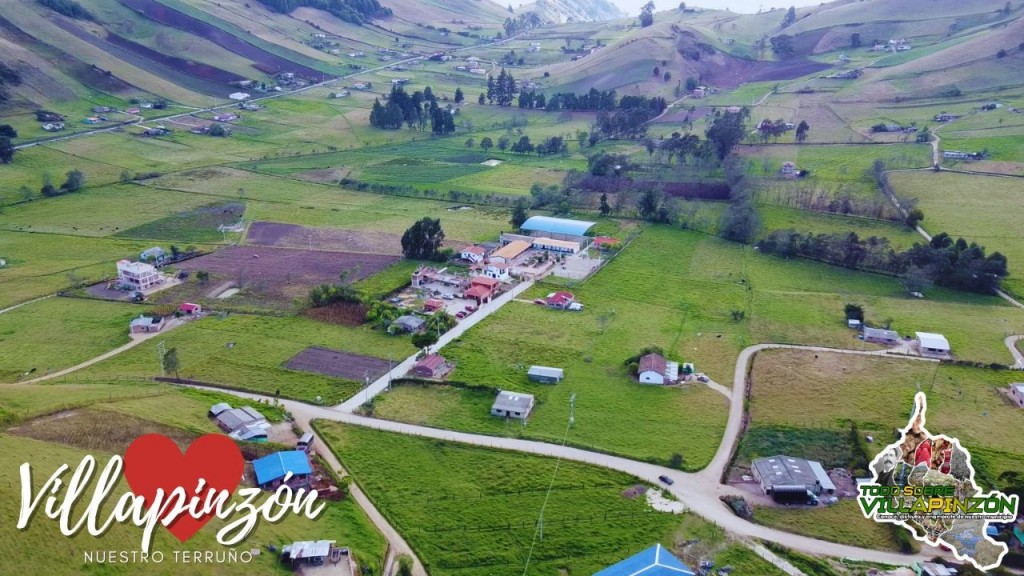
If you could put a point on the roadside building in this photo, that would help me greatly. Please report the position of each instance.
(473, 254)
(190, 308)
(144, 324)
(787, 472)
(654, 369)
(512, 405)
(654, 561)
(881, 336)
(930, 343)
(230, 419)
(138, 275)
(431, 366)
(560, 300)
(496, 270)
(271, 470)
(556, 228)
(432, 305)
(408, 323)
(545, 374)
(1017, 393)
(481, 289)
(307, 552)
(509, 251)
(561, 246)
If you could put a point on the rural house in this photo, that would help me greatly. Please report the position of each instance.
(481, 289)
(146, 324)
(654, 369)
(432, 305)
(408, 323)
(560, 300)
(786, 471)
(431, 366)
(929, 343)
(137, 275)
(253, 433)
(190, 308)
(788, 169)
(1017, 393)
(495, 270)
(655, 561)
(561, 246)
(307, 552)
(881, 336)
(512, 405)
(230, 419)
(473, 254)
(271, 470)
(545, 374)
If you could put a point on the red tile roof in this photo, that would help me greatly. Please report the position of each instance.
(479, 251)
(561, 298)
(478, 292)
(188, 307)
(431, 362)
(485, 281)
(652, 362)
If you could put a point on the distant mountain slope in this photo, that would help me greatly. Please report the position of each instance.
(562, 11)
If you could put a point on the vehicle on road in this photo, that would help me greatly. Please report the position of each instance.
(460, 314)
(797, 494)
(666, 480)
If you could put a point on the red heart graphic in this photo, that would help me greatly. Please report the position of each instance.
(154, 462)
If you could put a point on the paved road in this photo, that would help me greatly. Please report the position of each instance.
(381, 384)
(1018, 358)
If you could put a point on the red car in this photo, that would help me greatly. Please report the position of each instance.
(540, 301)
(470, 309)
(460, 314)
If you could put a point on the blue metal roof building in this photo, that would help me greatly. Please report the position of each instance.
(655, 561)
(276, 465)
(563, 226)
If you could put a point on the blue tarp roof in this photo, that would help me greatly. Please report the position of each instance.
(655, 561)
(556, 225)
(275, 466)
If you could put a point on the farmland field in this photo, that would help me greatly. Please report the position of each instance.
(472, 511)
(974, 207)
(328, 239)
(85, 328)
(337, 363)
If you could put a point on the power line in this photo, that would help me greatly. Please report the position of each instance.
(540, 520)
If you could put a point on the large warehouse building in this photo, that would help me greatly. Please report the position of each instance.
(557, 228)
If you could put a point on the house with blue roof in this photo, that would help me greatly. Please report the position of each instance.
(655, 561)
(557, 228)
(271, 470)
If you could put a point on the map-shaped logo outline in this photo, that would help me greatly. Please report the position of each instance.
(916, 424)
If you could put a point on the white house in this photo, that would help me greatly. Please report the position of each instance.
(496, 270)
(473, 254)
(1017, 393)
(654, 369)
(512, 405)
(138, 275)
(931, 343)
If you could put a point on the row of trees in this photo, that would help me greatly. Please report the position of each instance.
(68, 8)
(413, 110)
(943, 261)
(502, 89)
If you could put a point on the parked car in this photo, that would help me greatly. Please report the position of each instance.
(666, 480)
(395, 300)
(471, 308)
(460, 314)
(448, 297)
(467, 311)
(540, 301)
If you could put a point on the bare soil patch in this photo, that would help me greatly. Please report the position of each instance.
(97, 430)
(344, 313)
(327, 239)
(324, 175)
(337, 364)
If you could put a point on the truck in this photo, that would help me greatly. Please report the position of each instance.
(798, 494)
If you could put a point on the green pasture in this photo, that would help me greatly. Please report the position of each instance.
(974, 207)
(842, 522)
(392, 278)
(780, 218)
(41, 264)
(261, 345)
(56, 333)
(468, 510)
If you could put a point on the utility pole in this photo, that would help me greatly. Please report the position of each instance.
(572, 410)
(389, 371)
(366, 389)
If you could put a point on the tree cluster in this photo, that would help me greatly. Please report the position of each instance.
(521, 23)
(68, 8)
(422, 241)
(74, 181)
(8, 76)
(647, 14)
(413, 110)
(502, 89)
(727, 131)
(354, 11)
(943, 262)
(782, 45)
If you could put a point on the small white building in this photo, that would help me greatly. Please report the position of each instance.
(933, 344)
(654, 369)
(551, 245)
(239, 96)
(512, 405)
(1017, 393)
(496, 270)
(138, 275)
(473, 254)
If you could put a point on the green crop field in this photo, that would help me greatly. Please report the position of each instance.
(84, 328)
(877, 395)
(468, 510)
(971, 206)
(255, 362)
(22, 401)
(779, 218)
(842, 522)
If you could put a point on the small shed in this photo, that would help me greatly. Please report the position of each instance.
(144, 324)
(216, 409)
(433, 304)
(512, 405)
(271, 470)
(932, 343)
(853, 323)
(545, 374)
(431, 366)
(409, 323)
(310, 552)
(881, 336)
(654, 369)
(190, 308)
(1017, 393)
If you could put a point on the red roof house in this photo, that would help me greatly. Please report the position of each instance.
(433, 304)
(431, 366)
(560, 299)
(190, 308)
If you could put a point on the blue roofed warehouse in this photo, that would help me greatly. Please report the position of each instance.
(271, 470)
(557, 228)
(655, 561)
